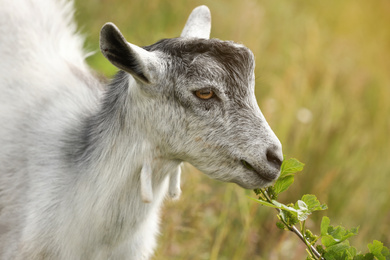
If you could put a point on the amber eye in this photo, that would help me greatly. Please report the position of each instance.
(204, 94)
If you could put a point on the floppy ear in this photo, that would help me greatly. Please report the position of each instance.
(198, 24)
(140, 63)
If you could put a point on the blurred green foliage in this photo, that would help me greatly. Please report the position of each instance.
(323, 83)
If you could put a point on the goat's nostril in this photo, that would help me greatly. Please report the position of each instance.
(274, 159)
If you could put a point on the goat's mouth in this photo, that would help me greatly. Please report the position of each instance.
(267, 176)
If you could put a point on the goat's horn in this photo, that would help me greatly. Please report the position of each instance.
(198, 24)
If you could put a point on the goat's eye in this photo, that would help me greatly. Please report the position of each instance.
(204, 94)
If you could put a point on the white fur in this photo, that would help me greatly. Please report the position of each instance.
(67, 193)
(48, 209)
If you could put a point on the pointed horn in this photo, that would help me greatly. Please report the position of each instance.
(198, 24)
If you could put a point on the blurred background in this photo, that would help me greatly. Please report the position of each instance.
(322, 82)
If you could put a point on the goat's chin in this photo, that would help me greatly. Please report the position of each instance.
(254, 180)
(246, 180)
(256, 184)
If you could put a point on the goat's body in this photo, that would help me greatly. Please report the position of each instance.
(51, 208)
(84, 168)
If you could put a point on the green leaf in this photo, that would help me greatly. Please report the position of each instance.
(283, 183)
(265, 203)
(340, 248)
(307, 205)
(324, 225)
(352, 251)
(338, 252)
(328, 241)
(368, 256)
(342, 251)
(375, 247)
(312, 203)
(334, 235)
(302, 209)
(320, 249)
(378, 250)
(284, 207)
(290, 166)
(275, 204)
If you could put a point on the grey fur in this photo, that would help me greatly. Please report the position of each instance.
(84, 168)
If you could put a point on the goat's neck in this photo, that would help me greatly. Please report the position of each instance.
(119, 151)
(111, 151)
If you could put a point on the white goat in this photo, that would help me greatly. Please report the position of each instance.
(84, 168)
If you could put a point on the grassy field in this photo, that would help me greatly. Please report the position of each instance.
(323, 83)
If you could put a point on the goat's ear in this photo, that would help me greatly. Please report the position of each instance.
(198, 24)
(140, 63)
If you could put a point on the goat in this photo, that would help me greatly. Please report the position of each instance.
(84, 168)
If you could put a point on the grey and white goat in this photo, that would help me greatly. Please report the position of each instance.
(84, 168)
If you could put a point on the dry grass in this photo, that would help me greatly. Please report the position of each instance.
(323, 83)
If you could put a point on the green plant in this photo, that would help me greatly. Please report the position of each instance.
(333, 242)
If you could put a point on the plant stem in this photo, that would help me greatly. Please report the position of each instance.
(311, 248)
(308, 245)
(293, 229)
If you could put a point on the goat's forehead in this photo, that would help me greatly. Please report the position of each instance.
(208, 60)
(182, 47)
